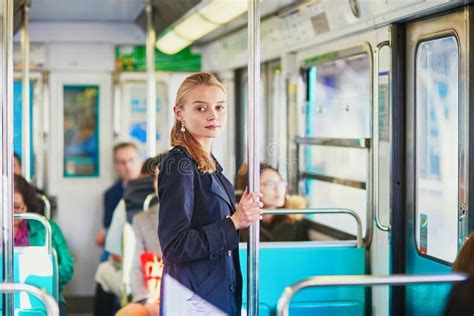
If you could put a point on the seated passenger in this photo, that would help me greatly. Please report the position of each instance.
(145, 295)
(109, 273)
(461, 301)
(40, 205)
(31, 233)
(278, 227)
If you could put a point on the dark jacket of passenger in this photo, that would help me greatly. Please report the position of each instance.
(135, 195)
(111, 198)
(461, 299)
(199, 242)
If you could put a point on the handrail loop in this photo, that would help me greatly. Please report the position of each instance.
(47, 205)
(285, 211)
(52, 308)
(44, 222)
(362, 280)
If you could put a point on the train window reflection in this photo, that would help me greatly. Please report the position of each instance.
(81, 142)
(437, 74)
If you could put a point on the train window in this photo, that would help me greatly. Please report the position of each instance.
(134, 122)
(437, 73)
(338, 109)
(81, 141)
(18, 122)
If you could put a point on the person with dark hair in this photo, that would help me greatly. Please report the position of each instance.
(31, 233)
(290, 227)
(199, 223)
(108, 275)
(40, 208)
(460, 302)
(145, 271)
(127, 163)
(16, 164)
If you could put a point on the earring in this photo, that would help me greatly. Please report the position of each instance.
(182, 127)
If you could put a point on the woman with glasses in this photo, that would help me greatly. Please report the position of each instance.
(275, 195)
(31, 233)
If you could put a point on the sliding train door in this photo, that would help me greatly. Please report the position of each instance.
(436, 139)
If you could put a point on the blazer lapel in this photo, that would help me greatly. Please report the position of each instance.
(217, 189)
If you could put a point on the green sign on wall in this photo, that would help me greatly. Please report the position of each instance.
(133, 58)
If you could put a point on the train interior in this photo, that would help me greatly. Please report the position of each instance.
(364, 111)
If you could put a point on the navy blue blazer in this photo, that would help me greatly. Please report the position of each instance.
(200, 244)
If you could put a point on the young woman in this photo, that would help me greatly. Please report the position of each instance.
(31, 233)
(198, 221)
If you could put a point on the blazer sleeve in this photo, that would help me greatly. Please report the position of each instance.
(137, 283)
(179, 241)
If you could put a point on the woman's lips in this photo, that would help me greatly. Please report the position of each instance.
(213, 127)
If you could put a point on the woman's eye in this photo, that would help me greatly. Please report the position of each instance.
(220, 108)
(201, 109)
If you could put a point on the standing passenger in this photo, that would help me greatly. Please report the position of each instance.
(198, 221)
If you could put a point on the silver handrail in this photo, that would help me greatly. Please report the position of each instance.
(47, 205)
(362, 280)
(360, 143)
(253, 155)
(375, 137)
(148, 199)
(52, 308)
(42, 220)
(285, 211)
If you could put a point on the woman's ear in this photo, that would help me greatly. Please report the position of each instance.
(178, 113)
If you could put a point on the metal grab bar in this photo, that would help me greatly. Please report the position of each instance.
(148, 199)
(360, 143)
(285, 211)
(375, 137)
(52, 308)
(47, 205)
(362, 280)
(42, 220)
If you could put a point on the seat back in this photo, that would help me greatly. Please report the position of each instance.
(36, 266)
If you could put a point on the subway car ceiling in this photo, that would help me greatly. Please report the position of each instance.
(287, 25)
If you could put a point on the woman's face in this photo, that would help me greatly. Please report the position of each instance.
(273, 189)
(19, 206)
(204, 113)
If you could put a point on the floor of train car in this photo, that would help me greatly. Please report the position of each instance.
(83, 306)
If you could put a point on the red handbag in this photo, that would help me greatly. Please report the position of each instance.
(152, 268)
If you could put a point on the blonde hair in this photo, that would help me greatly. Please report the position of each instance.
(204, 160)
(464, 262)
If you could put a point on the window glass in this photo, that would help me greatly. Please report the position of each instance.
(135, 94)
(18, 124)
(437, 73)
(338, 107)
(81, 141)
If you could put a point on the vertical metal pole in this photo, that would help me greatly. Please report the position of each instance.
(25, 94)
(151, 82)
(253, 155)
(7, 150)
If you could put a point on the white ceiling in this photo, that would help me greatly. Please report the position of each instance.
(86, 10)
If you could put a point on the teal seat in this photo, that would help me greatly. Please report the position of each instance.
(285, 263)
(37, 266)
